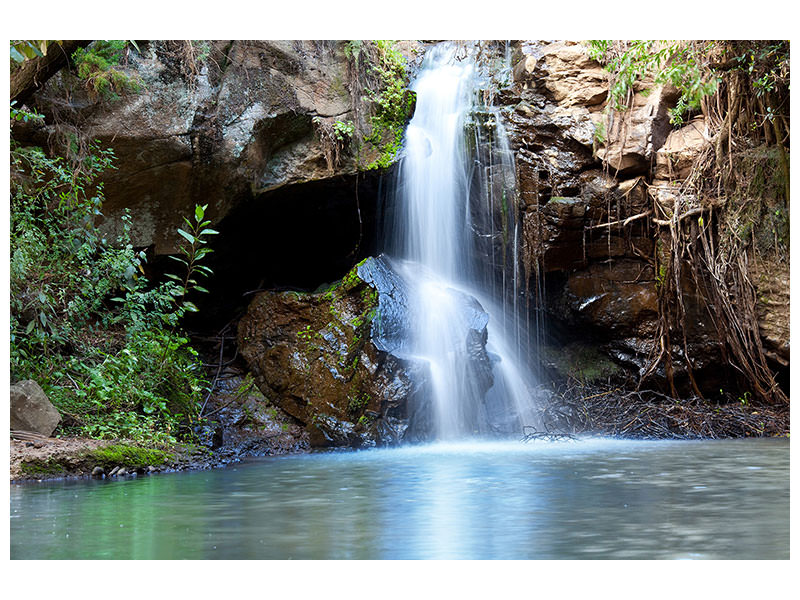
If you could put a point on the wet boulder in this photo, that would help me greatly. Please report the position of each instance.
(340, 362)
(328, 359)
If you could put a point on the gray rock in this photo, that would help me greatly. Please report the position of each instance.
(122, 472)
(31, 410)
(113, 471)
(98, 472)
(244, 118)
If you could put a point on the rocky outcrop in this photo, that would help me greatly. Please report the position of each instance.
(31, 410)
(630, 139)
(215, 131)
(338, 362)
(314, 355)
(682, 148)
(589, 177)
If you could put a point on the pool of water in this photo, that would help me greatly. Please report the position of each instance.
(587, 499)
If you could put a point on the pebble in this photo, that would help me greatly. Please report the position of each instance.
(151, 469)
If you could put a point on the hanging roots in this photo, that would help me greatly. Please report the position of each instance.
(707, 239)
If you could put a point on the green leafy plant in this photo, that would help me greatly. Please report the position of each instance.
(681, 64)
(22, 50)
(98, 65)
(85, 322)
(381, 77)
(194, 248)
(343, 130)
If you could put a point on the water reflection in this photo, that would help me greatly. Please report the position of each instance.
(590, 499)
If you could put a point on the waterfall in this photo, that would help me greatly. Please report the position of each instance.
(453, 239)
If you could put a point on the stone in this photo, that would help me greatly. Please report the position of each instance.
(634, 136)
(113, 471)
(621, 300)
(122, 472)
(338, 361)
(239, 125)
(675, 159)
(98, 472)
(31, 410)
(574, 78)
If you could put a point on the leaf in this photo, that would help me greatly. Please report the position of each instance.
(188, 236)
(190, 307)
(15, 54)
(199, 211)
(180, 260)
(30, 326)
(201, 289)
(209, 232)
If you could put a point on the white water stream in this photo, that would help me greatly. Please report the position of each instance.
(434, 236)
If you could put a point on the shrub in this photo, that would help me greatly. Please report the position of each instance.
(86, 323)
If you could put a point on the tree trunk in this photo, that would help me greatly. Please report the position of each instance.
(33, 73)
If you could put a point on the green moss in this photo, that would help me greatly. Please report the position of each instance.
(132, 457)
(391, 103)
(357, 403)
(562, 200)
(42, 468)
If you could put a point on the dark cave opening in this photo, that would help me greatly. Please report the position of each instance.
(297, 237)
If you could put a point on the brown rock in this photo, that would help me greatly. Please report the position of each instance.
(312, 355)
(31, 410)
(622, 299)
(635, 135)
(242, 124)
(674, 160)
(574, 78)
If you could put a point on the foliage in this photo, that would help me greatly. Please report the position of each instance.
(22, 50)
(20, 114)
(85, 322)
(681, 64)
(99, 66)
(765, 62)
(193, 250)
(335, 136)
(343, 130)
(379, 70)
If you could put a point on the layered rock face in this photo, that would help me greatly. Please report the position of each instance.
(217, 131)
(588, 178)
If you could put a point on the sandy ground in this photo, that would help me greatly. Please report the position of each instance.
(50, 448)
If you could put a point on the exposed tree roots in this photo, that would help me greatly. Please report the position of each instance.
(649, 414)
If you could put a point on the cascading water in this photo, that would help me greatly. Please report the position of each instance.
(455, 213)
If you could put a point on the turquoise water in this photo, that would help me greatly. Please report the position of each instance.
(592, 499)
